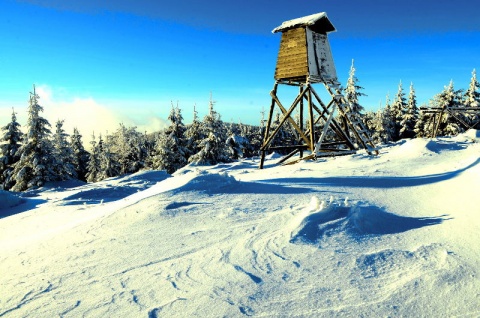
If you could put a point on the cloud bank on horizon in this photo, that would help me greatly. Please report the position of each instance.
(89, 116)
(354, 18)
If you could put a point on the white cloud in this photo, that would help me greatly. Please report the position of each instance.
(90, 115)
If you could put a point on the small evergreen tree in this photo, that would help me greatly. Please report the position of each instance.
(472, 99)
(410, 116)
(423, 126)
(10, 142)
(129, 148)
(397, 111)
(64, 161)
(449, 97)
(36, 163)
(379, 128)
(193, 135)
(212, 146)
(167, 158)
(109, 165)
(369, 120)
(388, 121)
(352, 91)
(237, 143)
(94, 164)
(171, 151)
(80, 155)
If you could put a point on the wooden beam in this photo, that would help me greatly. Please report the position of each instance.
(301, 117)
(267, 130)
(335, 125)
(286, 116)
(289, 156)
(312, 119)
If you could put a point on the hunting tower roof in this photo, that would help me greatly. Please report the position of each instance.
(317, 22)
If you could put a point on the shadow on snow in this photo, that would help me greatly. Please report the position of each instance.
(357, 222)
(376, 182)
(222, 183)
(127, 185)
(99, 195)
(25, 205)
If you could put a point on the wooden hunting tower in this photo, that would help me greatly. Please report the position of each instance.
(305, 58)
(304, 50)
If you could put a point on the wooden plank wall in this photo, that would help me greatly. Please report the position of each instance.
(292, 61)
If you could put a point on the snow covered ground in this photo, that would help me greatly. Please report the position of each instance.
(393, 235)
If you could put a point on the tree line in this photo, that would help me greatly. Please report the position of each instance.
(40, 155)
(401, 118)
(30, 159)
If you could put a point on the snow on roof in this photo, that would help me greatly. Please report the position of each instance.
(309, 20)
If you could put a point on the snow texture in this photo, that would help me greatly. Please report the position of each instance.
(8, 200)
(303, 21)
(357, 236)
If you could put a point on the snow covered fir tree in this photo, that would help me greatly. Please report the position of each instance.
(36, 155)
(353, 92)
(11, 140)
(171, 152)
(212, 148)
(64, 167)
(409, 116)
(472, 99)
(449, 97)
(31, 159)
(80, 155)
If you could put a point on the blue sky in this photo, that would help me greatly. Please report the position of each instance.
(98, 63)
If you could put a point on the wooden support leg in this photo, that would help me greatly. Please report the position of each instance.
(267, 129)
(437, 125)
(301, 118)
(312, 119)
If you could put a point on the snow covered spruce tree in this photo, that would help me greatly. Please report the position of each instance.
(37, 161)
(379, 126)
(235, 142)
(212, 148)
(129, 148)
(353, 91)
(472, 99)
(171, 151)
(64, 167)
(249, 137)
(80, 155)
(193, 135)
(388, 120)
(109, 165)
(397, 111)
(94, 165)
(9, 145)
(423, 126)
(410, 116)
(449, 97)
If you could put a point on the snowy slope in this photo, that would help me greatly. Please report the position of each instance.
(393, 235)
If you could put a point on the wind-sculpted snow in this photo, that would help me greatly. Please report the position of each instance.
(210, 183)
(8, 200)
(116, 188)
(358, 221)
(13, 203)
(355, 236)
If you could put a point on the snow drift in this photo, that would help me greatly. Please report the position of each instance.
(8, 200)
